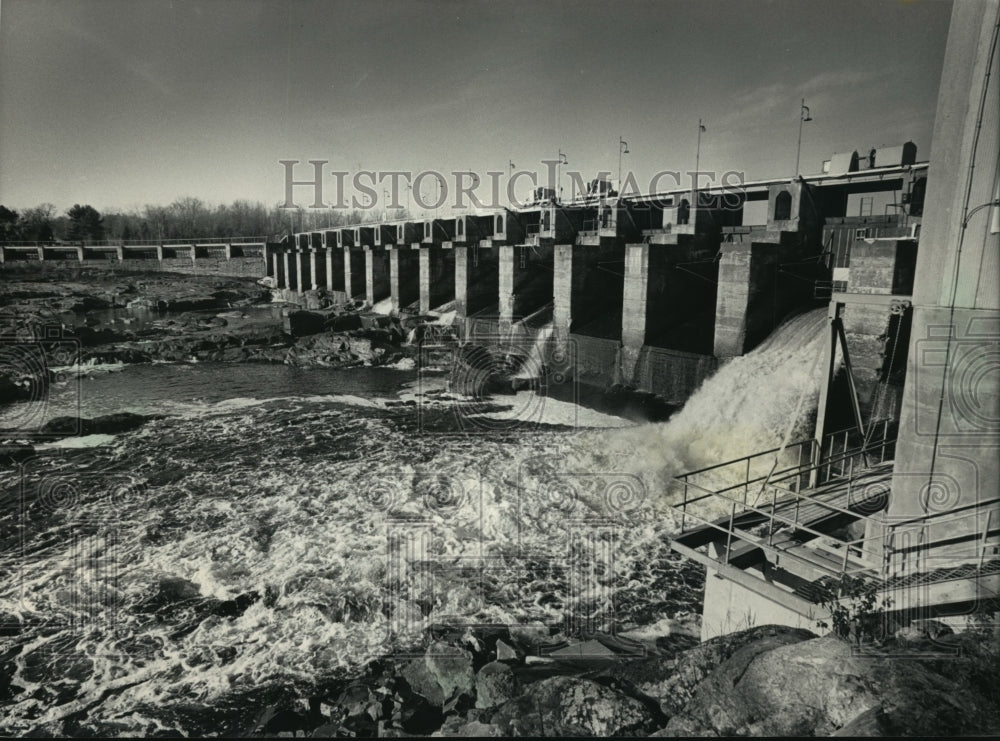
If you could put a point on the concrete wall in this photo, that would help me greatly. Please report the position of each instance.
(948, 451)
(755, 293)
(730, 607)
(673, 375)
(237, 267)
(595, 359)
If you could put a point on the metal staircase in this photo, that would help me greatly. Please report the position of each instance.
(793, 517)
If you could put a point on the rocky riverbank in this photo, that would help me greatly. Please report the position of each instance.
(769, 680)
(48, 327)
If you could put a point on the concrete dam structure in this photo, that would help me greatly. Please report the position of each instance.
(242, 257)
(649, 292)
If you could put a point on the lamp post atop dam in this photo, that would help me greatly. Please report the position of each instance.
(803, 117)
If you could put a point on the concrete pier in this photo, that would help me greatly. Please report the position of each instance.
(354, 273)
(377, 271)
(587, 295)
(404, 276)
(476, 279)
(303, 259)
(525, 281)
(437, 276)
(291, 269)
(317, 261)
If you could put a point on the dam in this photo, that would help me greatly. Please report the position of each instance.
(656, 293)
(650, 292)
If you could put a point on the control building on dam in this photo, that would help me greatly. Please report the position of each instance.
(896, 496)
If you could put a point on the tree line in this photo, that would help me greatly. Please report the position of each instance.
(185, 218)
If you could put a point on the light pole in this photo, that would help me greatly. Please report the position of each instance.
(622, 149)
(803, 117)
(697, 154)
(561, 161)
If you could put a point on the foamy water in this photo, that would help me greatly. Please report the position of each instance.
(274, 541)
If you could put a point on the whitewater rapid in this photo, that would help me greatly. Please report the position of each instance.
(274, 541)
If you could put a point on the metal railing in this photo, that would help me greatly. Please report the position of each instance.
(221, 241)
(817, 463)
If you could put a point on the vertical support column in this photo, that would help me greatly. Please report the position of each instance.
(437, 277)
(462, 276)
(404, 276)
(329, 263)
(634, 307)
(508, 267)
(3, 255)
(290, 269)
(302, 266)
(159, 253)
(313, 267)
(120, 250)
(562, 292)
(370, 276)
(229, 251)
(377, 285)
(349, 287)
(355, 273)
(276, 269)
(79, 253)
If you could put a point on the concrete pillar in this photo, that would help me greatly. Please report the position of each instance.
(159, 253)
(277, 270)
(476, 279)
(437, 277)
(376, 275)
(3, 255)
(290, 271)
(562, 292)
(404, 276)
(120, 250)
(585, 289)
(635, 299)
(79, 253)
(329, 266)
(510, 265)
(229, 251)
(948, 449)
(355, 273)
(304, 280)
(753, 295)
(317, 264)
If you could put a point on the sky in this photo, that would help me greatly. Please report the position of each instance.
(120, 103)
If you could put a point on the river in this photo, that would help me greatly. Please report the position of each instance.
(275, 528)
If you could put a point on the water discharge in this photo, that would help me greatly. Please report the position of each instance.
(274, 539)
